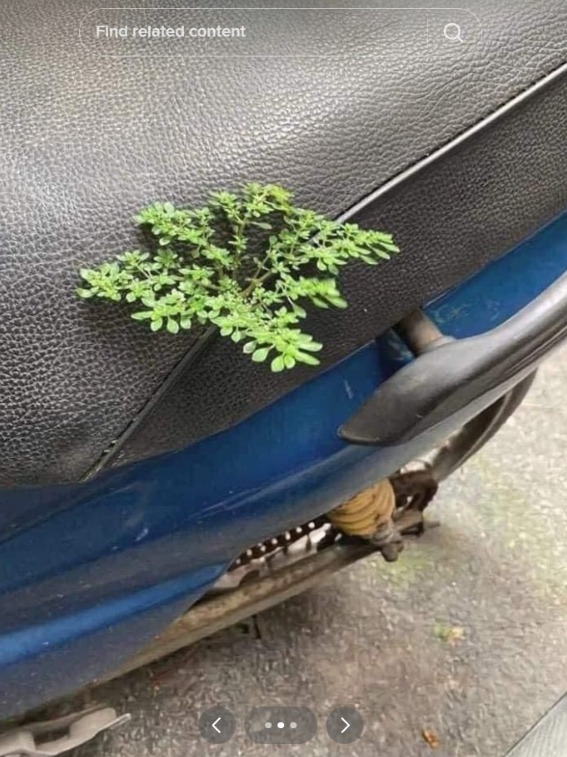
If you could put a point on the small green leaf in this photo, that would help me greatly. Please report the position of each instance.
(85, 293)
(156, 324)
(305, 357)
(320, 303)
(277, 364)
(249, 347)
(141, 315)
(338, 302)
(260, 355)
(172, 326)
(311, 346)
(289, 361)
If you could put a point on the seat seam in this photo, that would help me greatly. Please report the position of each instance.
(439, 152)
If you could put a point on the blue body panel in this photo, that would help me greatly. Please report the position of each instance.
(89, 573)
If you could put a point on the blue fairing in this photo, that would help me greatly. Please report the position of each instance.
(89, 573)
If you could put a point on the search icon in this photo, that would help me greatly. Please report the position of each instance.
(453, 33)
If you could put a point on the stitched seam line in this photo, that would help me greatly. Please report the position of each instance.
(454, 142)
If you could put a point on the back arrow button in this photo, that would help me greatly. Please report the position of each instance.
(217, 725)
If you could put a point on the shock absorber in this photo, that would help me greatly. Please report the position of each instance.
(369, 515)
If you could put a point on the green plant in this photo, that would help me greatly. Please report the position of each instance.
(245, 263)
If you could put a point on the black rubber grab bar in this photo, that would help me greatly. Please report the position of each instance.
(453, 373)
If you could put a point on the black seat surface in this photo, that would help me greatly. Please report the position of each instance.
(373, 119)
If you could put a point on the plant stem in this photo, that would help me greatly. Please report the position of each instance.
(256, 283)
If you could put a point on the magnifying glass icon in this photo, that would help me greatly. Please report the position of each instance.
(453, 33)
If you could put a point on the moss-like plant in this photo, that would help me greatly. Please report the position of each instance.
(246, 263)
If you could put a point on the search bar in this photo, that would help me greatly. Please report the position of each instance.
(279, 32)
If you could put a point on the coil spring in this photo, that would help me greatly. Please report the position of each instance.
(366, 512)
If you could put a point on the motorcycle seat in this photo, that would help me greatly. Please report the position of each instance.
(458, 149)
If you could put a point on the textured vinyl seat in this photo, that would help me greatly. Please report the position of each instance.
(459, 149)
